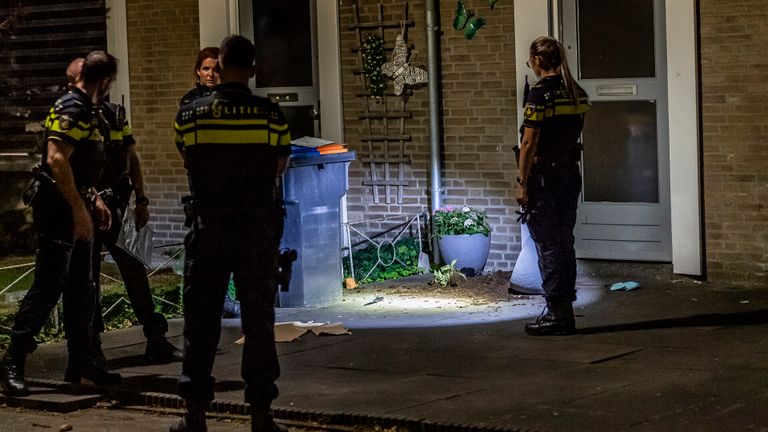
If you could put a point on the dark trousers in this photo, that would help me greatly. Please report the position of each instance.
(553, 196)
(134, 275)
(62, 267)
(216, 247)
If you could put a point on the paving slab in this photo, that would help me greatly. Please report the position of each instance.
(52, 399)
(673, 355)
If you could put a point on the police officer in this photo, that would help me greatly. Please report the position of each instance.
(207, 73)
(62, 210)
(122, 177)
(549, 180)
(234, 144)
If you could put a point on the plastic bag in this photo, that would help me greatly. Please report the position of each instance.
(137, 243)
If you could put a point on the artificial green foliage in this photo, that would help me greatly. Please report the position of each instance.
(462, 220)
(443, 274)
(373, 57)
(466, 20)
(366, 258)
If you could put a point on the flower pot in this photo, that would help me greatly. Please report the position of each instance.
(469, 250)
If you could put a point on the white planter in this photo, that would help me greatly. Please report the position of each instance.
(469, 250)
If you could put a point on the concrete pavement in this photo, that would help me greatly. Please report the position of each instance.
(673, 355)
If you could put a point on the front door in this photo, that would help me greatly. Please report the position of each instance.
(284, 33)
(616, 49)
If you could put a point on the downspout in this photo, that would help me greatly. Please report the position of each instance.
(435, 179)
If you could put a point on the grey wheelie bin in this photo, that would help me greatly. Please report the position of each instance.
(312, 190)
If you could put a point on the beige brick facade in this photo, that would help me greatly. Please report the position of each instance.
(478, 123)
(478, 126)
(734, 78)
(163, 41)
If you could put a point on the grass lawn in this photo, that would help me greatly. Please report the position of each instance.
(165, 285)
(12, 267)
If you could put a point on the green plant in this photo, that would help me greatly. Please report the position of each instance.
(444, 274)
(373, 57)
(463, 220)
(365, 259)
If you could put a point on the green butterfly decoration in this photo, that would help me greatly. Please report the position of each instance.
(492, 3)
(466, 20)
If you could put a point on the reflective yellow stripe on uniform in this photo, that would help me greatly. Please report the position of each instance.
(567, 107)
(232, 131)
(76, 131)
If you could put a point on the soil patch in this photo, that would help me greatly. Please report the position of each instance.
(479, 290)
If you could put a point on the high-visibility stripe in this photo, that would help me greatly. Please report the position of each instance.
(208, 136)
(233, 122)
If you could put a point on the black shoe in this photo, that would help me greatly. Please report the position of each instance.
(184, 426)
(262, 421)
(93, 375)
(193, 420)
(555, 320)
(12, 380)
(12, 372)
(160, 351)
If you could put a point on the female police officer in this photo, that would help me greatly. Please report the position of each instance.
(207, 72)
(549, 181)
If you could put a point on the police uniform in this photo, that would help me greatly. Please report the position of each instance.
(554, 182)
(232, 141)
(63, 264)
(197, 92)
(116, 179)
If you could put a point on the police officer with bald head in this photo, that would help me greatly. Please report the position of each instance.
(65, 208)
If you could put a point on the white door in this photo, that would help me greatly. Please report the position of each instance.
(284, 33)
(616, 49)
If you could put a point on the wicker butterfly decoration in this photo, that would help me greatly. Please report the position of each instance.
(400, 69)
(467, 20)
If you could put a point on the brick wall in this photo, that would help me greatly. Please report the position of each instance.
(163, 42)
(734, 77)
(478, 121)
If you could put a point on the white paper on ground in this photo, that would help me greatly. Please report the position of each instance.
(292, 330)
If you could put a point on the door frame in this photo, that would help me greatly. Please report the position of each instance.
(217, 22)
(534, 18)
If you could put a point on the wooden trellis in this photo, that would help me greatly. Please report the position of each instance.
(385, 136)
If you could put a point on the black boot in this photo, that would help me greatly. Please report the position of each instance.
(12, 372)
(160, 351)
(85, 371)
(556, 319)
(193, 420)
(262, 421)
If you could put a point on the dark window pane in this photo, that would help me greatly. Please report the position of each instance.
(282, 34)
(620, 161)
(616, 39)
(300, 120)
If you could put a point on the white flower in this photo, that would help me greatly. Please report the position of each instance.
(465, 209)
(468, 223)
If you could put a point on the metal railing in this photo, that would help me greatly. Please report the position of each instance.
(380, 240)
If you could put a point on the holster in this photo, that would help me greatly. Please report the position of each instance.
(190, 212)
(38, 177)
(285, 260)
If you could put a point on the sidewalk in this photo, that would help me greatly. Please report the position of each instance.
(673, 355)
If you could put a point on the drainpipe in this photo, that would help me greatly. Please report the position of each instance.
(435, 179)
